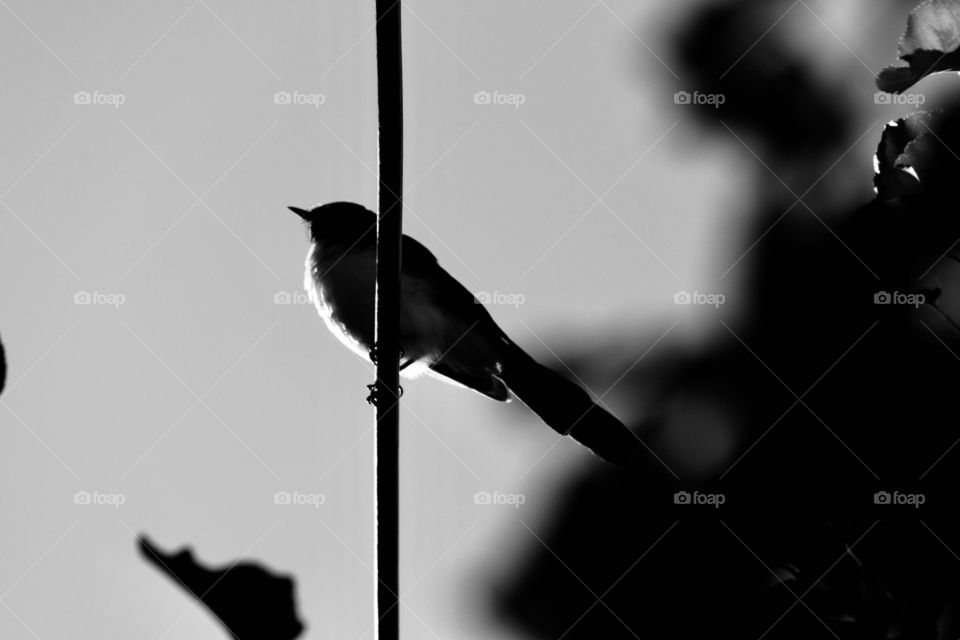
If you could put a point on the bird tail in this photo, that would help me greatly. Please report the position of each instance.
(568, 409)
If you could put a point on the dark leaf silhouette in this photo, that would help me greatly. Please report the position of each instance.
(929, 45)
(251, 601)
(3, 368)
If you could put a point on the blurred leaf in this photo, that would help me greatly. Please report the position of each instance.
(929, 45)
(252, 602)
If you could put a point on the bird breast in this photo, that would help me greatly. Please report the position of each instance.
(342, 289)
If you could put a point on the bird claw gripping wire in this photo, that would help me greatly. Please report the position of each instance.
(373, 354)
(372, 398)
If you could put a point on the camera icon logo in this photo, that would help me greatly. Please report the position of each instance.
(882, 98)
(682, 297)
(482, 497)
(882, 297)
(81, 497)
(282, 97)
(82, 297)
(282, 297)
(881, 497)
(681, 497)
(482, 97)
(282, 497)
(682, 97)
(82, 97)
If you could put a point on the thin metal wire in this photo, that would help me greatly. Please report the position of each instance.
(389, 238)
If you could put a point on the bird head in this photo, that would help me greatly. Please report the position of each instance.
(340, 224)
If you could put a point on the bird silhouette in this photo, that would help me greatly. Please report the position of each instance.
(444, 331)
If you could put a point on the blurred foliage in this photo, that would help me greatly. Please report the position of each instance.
(929, 45)
(820, 394)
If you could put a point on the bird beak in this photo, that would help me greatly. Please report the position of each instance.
(301, 212)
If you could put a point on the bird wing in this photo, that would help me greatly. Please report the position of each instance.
(482, 338)
(453, 297)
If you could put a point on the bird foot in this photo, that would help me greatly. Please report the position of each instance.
(373, 354)
(372, 396)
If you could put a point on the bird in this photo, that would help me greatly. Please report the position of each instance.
(445, 332)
